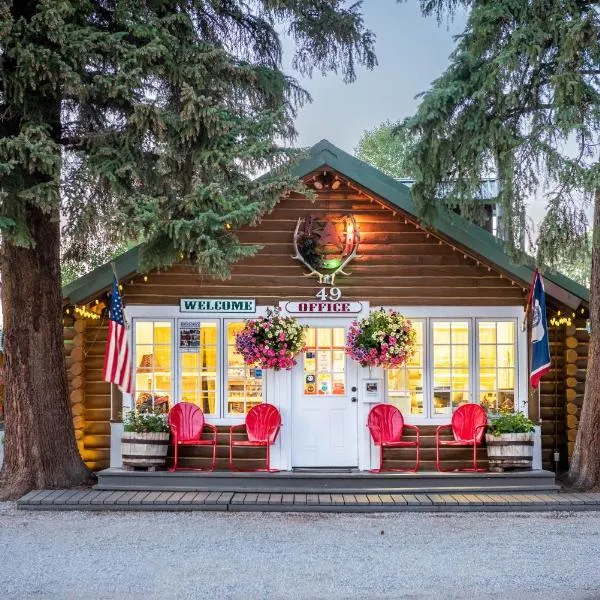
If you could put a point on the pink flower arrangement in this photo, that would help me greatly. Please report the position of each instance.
(383, 339)
(270, 342)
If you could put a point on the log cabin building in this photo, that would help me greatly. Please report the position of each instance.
(452, 278)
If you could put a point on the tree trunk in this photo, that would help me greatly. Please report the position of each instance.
(585, 466)
(39, 445)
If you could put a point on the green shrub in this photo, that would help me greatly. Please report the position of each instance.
(151, 421)
(510, 423)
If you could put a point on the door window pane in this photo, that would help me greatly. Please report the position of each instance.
(244, 383)
(325, 362)
(405, 384)
(497, 365)
(198, 357)
(450, 366)
(152, 360)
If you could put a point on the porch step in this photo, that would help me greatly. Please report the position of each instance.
(523, 482)
(98, 500)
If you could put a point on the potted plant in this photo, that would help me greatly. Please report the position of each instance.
(383, 339)
(270, 342)
(145, 439)
(509, 441)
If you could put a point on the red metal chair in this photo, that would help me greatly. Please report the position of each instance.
(468, 426)
(187, 423)
(387, 425)
(263, 422)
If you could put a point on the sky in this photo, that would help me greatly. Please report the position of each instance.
(411, 50)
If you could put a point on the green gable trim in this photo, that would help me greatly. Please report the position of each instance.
(101, 278)
(453, 226)
(325, 154)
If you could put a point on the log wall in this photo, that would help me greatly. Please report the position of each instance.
(399, 263)
(576, 354)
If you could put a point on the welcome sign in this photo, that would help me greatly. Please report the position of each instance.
(217, 305)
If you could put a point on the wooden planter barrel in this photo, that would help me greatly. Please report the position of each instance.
(509, 451)
(144, 449)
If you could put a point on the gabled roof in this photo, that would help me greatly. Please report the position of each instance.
(452, 226)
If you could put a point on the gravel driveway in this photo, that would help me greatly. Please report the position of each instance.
(132, 556)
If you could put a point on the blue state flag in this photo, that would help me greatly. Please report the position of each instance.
(540, 346)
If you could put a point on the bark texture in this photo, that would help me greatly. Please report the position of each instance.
(39, 445)
(585, 466)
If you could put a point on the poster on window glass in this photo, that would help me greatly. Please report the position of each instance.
(189, 336)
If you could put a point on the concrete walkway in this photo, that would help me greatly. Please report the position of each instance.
(104, 500)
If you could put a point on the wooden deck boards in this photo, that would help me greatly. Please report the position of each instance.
(103, 500)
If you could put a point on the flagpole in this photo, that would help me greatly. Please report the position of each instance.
(535, 274)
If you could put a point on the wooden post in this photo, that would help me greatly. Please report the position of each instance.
(116, 404)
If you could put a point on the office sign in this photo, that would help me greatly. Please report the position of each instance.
(310, 307)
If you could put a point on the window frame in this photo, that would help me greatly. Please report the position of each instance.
(474, 315)
(225, 321)
(219, 369)
(174, 377)
(429, 371)
(478, 320)
(424, 362)
(172, 314)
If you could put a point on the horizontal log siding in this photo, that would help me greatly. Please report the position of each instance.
(96, 432)
(576, 347)
(398, 265)
(552, 401)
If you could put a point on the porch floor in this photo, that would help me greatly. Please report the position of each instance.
(335, 482)
(105, 500)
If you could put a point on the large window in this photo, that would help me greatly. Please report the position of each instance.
(458, 360)
(405, 384)
(198, 351)
(153, 365)
(244, 383)
(193, 360)
(450, 345)
(496, 345)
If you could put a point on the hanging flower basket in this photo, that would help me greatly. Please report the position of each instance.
(383, 339)
(270, 342)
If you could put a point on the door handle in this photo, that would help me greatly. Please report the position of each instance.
(354, 398)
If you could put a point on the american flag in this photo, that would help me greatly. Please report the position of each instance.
(117, 366)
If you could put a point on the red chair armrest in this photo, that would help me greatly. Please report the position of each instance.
(437, 433)
(213, 429)
(484, 426)
(241, 425)
(406, 425)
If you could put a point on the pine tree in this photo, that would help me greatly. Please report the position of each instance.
(143, 120)
(521, 98)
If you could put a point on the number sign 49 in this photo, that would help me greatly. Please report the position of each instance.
(333, 293)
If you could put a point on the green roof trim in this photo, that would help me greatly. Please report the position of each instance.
(324, 153)
(101, 278)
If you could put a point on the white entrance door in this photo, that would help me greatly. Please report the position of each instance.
(324, 401)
